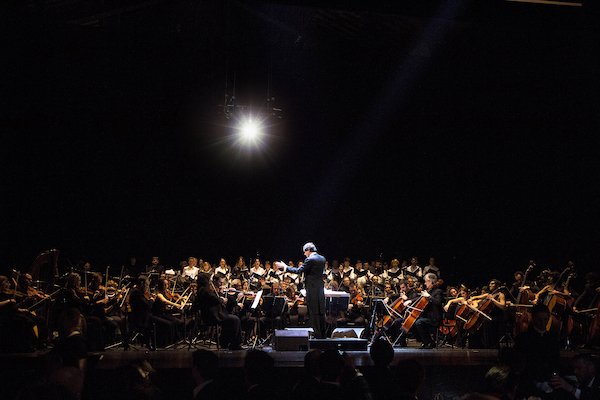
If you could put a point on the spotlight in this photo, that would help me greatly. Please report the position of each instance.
(250, 130)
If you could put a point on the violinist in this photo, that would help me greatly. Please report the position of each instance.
(356, 308)
(26, 294)
(112, 308)
(17, 324)
(74, 296)
(97, 306)
(143, 320)
(431, 317)
(163, 308)
(213, 311)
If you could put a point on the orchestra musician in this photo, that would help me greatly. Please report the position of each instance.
(312, 268)
(212, 309)
(73, 295)
(17, 323)
(98, 303)
(155, 266)
(431, 317)
(492, 330)
(143, 321)
(163, 307)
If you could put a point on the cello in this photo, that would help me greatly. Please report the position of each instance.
(395, 310)
(556, 303)
(483, 310)
(417, 309)
(522, 315)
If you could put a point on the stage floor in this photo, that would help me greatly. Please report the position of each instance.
(180, 356)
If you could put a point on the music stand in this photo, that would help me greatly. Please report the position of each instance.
(256, 313)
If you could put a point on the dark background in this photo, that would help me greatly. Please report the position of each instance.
(461, 130)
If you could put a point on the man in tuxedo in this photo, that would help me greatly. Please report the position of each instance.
(431, 317)
(312, 268)
(204, 371)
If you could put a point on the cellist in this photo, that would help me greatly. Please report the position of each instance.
(430, 317)
(493, 304)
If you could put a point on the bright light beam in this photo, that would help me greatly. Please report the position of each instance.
(250, 131)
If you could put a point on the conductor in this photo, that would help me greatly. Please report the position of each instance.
(312, 267)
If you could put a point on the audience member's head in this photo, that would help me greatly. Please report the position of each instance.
(585, 367)
(410, 375)
(258, 367)
(501, 380)
(539, 317)
(382, 353)
(331, 366)
(311, 362)
(205, 365)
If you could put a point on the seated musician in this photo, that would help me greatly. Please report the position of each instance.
(492, 330)
(112, 309)
(97, 303)
(356, 308)
(213, 311)
(142, 318)
(17, 323)
(461, 298)
(164, 307)
(76, 296)
(345, 286)
(431, 317)
(552, 287)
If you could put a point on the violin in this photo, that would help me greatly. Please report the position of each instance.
(172, 296)
(357, 299)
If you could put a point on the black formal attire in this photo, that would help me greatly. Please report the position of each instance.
(209, 391)
(431, 317)
(541, 352)
(312, 268)
(212, 311)
(143, 320)
(590, 390)
(71, 349)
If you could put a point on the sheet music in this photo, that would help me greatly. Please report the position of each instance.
(333, 293)
(257, 299)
